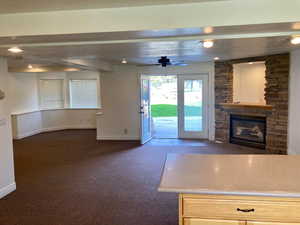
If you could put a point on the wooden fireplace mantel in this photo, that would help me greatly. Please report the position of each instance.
(246, 105)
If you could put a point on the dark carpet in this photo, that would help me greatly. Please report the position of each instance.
(68, 178)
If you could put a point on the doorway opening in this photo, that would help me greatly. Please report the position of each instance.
(174, 106)
(164, 108)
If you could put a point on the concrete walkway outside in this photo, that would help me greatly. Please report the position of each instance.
(167, 127)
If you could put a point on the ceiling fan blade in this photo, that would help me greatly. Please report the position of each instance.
(179, 64)
(144, 65)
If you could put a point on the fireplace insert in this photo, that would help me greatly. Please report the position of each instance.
(248, 130)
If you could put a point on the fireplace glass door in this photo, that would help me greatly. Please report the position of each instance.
(248, 130)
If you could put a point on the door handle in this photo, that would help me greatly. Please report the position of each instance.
(245, 210)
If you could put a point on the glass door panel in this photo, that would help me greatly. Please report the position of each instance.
(145, 110)
(192, 106)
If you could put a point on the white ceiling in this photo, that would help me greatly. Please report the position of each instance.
(17, 6)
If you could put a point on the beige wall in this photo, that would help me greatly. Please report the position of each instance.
(7, 179)
(218, 13)
(249, 83)
(120, 98)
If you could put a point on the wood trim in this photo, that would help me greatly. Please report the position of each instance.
(197, 221)
(238, 197)
(242, 105)
(180, 207)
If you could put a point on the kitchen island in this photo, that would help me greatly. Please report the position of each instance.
(234, 189)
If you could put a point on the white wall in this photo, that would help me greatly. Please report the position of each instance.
(249, 83)
(7, 179)
(121, 96)
(294, 104)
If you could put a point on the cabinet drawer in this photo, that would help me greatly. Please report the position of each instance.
(234, 210)
(191, 221)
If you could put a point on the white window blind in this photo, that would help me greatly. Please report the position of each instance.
(83, 94)
(51, 94)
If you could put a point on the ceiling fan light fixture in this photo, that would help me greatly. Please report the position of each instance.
(15, 50)
(208, 44)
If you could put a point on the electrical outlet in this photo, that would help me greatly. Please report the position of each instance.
(125, 131)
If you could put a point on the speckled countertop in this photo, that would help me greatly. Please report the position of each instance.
(260, 175)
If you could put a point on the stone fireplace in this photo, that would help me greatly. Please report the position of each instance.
(275, 111)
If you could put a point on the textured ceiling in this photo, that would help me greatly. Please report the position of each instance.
(16, 6)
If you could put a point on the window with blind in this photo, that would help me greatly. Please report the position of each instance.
(51, 94)
(83, 94)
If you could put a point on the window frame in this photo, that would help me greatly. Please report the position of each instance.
(98, 104)
(41, 105)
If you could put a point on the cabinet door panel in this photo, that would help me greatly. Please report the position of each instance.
(270, 223)
(194, 221)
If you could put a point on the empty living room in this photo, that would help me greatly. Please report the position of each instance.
(144, 112)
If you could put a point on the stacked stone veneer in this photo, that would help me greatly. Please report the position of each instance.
(276, 95)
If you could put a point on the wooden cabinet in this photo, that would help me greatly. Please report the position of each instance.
(237, 210)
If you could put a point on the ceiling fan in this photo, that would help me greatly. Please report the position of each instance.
(164, 61)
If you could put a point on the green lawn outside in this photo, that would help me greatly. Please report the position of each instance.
(166, 110)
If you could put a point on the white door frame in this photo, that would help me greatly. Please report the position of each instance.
(192, 70)
(205, 115)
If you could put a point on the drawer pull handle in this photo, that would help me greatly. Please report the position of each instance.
(245, 210)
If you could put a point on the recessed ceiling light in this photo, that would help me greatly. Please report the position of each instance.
(250, 63)
(30, 66)
(216, 58)
(15, 50)
(208, 30)
(208, 44)
(124, 61)
(71, 69)
(295, 40)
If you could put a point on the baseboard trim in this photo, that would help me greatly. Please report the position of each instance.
(118, 138)
(51, 129)
(7, 190)
(28, 134)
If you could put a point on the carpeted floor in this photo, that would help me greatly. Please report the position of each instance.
(68, 178)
